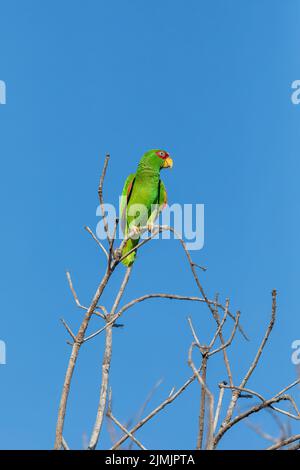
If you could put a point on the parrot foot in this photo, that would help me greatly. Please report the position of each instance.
(150, 227)
(135, 230)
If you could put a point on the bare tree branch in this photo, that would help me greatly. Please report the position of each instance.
(141, 299)
(227, 343)
(73, 358)
(251, 369)
(247, 413)
(219, 406)
(97, 241)
(131, 436)
(82, 329)
(204, 352)
(77, 300)
(296, 382)
(106, 366)
(210, 396)
(64, 444)
(172, 396)
(263, 343)
(68, 329)
(101, 200)
(286, 442)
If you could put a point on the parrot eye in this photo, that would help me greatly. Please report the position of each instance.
(162, 154)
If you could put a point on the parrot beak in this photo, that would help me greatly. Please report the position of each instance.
(168, 163)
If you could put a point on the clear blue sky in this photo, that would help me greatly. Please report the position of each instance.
(210, 82)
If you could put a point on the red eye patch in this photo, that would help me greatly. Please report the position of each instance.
(162, 154)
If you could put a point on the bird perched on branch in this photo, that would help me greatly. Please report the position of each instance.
(143, 197)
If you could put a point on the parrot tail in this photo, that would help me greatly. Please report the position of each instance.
(128, 261)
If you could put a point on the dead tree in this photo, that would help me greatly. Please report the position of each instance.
(211, 428)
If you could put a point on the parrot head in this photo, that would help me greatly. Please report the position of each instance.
(158, 158)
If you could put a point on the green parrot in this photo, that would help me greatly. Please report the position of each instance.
(143, 197)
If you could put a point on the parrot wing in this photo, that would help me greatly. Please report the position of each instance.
(126, 193)
(162, 200)
(162, 196)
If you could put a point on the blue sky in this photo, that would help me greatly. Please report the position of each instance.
(208, 81)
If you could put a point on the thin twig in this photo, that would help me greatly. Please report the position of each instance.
(221, 324)
(296, 382)
(245, 414)
(295, 447)
(204, 351)
(209, 395)
(77, 300)
(73, 290)
(203, 268)
(68, 329)
(101, 200)
(64, 444)
(263, 343)
(141, 299)
(147, 401)
(202, 404)
(202, 348)
(120, 425)
(228, 342)
(219, 405)
(243, 389)
(96, 240)
(260, 432)
(285, 442)
(131, 436)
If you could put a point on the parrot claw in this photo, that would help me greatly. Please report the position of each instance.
(117, 254)
(150, 227)
(135, 230)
